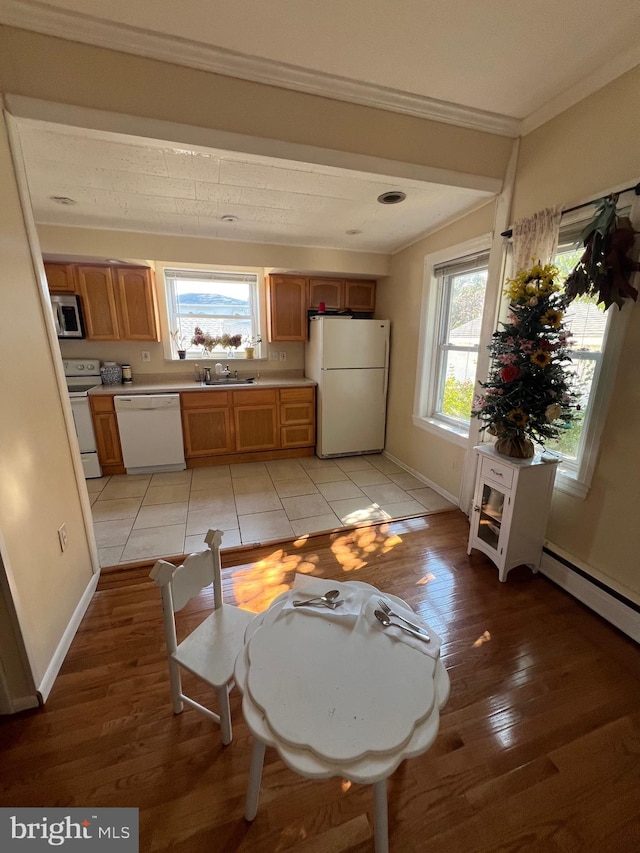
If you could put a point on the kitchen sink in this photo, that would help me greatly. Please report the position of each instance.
(228, 381)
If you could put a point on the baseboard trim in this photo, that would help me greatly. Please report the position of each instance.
(606, 602)
(48, 679)
(423, 479)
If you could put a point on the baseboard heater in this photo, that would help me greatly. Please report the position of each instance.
(605, 601)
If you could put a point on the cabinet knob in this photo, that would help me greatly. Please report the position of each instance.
(497, 473)
(476, 509)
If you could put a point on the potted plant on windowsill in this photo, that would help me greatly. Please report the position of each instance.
(179, 340)
(250, 343)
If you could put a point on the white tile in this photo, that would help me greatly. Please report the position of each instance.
(386, 493)
(262, 502)
(96, 484)
(110, 510)
(301, 485)
(430, 498)
(353, 463)
(231, 539)
(263, 526)
(199, 521)
(253, 485)
(406, 481)
(171, 478)
(111, 533)
(316, 524)
(110, 556)
(166, 494)
(203, 477)
(332, 474)
(154, 542)
(314, 463)
(284, 469)
(340, 491)
(248, 469)
(161, 515)
(368, 477)
(357, 511)
(195, 543)
(305, 506)
(385, 465)
(125, 487)
(216, 501)
(403, 509)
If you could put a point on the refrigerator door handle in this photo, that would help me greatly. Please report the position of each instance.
(385, 384)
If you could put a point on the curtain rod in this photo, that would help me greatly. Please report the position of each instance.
(636, 189)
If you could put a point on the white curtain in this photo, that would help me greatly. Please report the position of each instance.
(536, 238)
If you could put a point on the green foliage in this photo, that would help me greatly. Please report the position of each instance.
(457, 398)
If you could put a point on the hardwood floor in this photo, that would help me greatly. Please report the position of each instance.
(539, 744)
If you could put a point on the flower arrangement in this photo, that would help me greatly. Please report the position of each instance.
(251, 341)
(179, 339)
(207, 342)
(527, 395)
(230, 341)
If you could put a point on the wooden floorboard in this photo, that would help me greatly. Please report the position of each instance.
(538, 749)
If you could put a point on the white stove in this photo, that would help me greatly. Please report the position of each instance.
(81, 376)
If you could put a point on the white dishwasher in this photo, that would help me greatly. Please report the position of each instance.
(150, 432)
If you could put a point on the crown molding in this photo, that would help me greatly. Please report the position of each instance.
(41, 18)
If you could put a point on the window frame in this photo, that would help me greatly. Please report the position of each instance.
(169, 313)
(429, 362)
(575, 478)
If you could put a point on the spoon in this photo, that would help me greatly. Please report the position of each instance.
(328, 599)
(384, 619)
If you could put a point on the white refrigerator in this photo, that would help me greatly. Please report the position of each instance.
(349, 359)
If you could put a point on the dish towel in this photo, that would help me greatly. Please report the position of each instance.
(431, 648)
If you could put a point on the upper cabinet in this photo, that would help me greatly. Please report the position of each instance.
(119, 303)
(290, 296)
(61, 278)
(287, 307)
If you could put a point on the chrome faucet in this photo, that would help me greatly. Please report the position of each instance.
(225, 371)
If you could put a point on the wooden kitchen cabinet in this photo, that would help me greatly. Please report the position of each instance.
(119, 303)
(360, 295)
(207, 424)
(287, 308)
(105, 425)
(327, 290)
(255, 416)
(341, 294)
(297, 417)
(61, 278)
(510, 509)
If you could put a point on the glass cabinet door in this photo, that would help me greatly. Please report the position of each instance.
(490, 515)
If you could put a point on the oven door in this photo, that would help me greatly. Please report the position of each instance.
(86, 436)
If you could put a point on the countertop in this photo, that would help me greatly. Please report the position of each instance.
(154, 384)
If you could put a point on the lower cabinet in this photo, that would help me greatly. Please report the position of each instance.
(510, 509)
(243, 424)
(105, 425)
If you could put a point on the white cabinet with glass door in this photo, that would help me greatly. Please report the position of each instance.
(510, 509)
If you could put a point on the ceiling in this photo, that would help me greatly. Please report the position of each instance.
(507, 68)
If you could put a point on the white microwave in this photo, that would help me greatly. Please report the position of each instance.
(67, 316)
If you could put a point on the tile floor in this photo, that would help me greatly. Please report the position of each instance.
(153, 515)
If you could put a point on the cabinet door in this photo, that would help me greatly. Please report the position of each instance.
(490, 506)
(137, 304)
(256, 420)
(287, 308)
(97, 290)
(105, 426)
(327, 290)
(207, 432)
(61, 278)
(360, 295)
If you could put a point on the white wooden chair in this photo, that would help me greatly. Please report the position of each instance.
(211, 649)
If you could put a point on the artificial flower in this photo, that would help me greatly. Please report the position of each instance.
(540, 357)
(552, 317)
(553, 412)
(509, 373)
(518, 417)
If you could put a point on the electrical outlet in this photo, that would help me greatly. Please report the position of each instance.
(273, 356)
(146, 355)
(63, 537)
(283, 356)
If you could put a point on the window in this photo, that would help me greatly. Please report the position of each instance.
(451, 344)
(596, 342)
(218, 302)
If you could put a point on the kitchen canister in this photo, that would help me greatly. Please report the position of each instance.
(127, 376)
(111, 373)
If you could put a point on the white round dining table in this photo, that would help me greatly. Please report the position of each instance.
(337, 694)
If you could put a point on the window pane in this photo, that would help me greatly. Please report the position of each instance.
(466, 298)
(457, 389)
(569, 443)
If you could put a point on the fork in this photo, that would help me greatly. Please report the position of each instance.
(386, 609)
